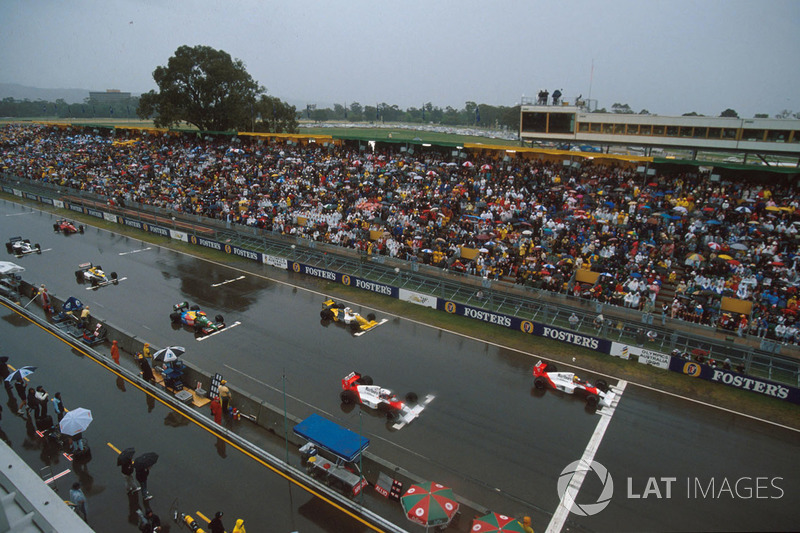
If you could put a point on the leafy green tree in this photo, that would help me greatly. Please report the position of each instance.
(356, 112)
(644, 112)
(761, 115)
(729, 113)
(783, 114)
(276, 115)
(203, 87)
(621, 108)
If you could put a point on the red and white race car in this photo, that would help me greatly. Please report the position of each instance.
(66, 227)
(359, 389)
(547, 375)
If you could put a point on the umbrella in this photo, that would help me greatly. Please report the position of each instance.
(695, 257)
(125, 456)
(169, 354)
(680, 209)
(743, 209)
(146, 460)
(7, 267)
(496, 522)
(483, 250)
(738, 246)
(714, 245)
(467, 164)
(21, 373)
(75, 421)
(486, 166)
(429, 504)
(724, 256)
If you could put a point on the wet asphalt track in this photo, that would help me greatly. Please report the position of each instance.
(486, 434)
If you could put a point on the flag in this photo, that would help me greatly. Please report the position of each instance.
(477, 114)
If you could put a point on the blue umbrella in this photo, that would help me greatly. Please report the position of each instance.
(21, 373)
(635, 275)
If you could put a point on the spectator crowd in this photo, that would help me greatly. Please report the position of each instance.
(524, 220)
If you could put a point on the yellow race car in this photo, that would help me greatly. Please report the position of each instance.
(336, 312)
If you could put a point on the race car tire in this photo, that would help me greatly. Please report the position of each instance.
(602, 385)
(56, 228)
(551, 368)
(412, 397)
(194, 308)
(219, 319)
(326, 314)
(355, 327)
(348, 397)
(94, 282)
(113, 277)
(80, 229)
(540, 383)
(79, 276)
(592, 400)
(371, 317)
(198, 328)
(365, 380)
(38, 248)
(9, 248)
(175, 318)
(391, 414)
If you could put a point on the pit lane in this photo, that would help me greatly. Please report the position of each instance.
(487, 434)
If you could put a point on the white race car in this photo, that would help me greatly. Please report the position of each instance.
(94, 275)
(19, 247)
(359, 389)
(547, 375)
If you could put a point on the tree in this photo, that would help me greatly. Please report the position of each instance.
(761, 115)
(644, 112)
(276, 116)
(784, 114)
(204, 87)
(729, 113)
(621, 108)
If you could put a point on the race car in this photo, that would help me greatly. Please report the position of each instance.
(19, 247)
(336, 312)
(357, 388)
(67, 227)
(195, 318)
(94, 275)
(547, 375)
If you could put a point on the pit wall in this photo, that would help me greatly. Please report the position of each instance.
(604, 346)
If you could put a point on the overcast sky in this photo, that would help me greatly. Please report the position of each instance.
(669, 57)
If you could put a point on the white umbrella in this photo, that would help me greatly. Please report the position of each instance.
(7, 267)
(169, 354)
(75, 421)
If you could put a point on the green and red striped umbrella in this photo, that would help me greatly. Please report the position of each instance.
(429, 504)
(496, 522)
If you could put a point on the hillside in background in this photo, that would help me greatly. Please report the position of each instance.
(21, 92)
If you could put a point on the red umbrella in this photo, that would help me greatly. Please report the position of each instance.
(429, 504)
(496, 522)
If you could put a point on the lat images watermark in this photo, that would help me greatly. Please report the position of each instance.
(568, 488)
(690, 488)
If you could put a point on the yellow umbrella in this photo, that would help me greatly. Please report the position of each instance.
(772, 208)
(726, 257)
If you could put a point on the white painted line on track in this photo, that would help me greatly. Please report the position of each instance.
(568, 499)
(227, 281)
(226, 328)
(104, 284)
(136, 251)
(19, 214)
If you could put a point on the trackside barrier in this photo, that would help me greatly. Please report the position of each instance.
(511, 322)
(736, 380)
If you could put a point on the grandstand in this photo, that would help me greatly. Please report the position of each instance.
(575, 126)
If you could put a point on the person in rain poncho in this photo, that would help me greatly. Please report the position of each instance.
(239, 527)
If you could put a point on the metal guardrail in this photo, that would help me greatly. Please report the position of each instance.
(623, 325)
